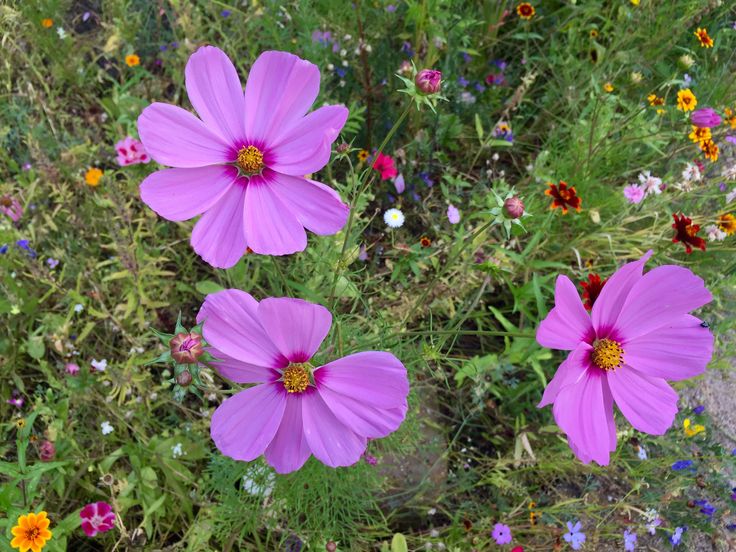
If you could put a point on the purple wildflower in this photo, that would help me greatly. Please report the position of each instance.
(501, 534)
(629, 541)
(453, 215)
(575, 536)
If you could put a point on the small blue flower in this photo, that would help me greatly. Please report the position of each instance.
(575, 536)
(429, 182)
(163, 47)
(4, 249)
(479, 87)
(225, 13)
(706, 507)
(629, 541)
(467, 58)
(53, 263)
(462, 81)
(676, 537)
(698, 409)
(340, 72)
(682, 465)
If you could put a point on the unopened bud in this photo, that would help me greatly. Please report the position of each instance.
(331, 546)
(514, 207)
(184, 379)
(428, 81)
(46, 451)
(186, 348)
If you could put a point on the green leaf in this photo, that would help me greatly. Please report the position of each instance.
(478, 127)
(35, 347)
(205, 287)
(398, 543)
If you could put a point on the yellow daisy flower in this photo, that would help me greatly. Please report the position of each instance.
(686, 100)
(727, 223)
(132, 60)
(31, 533)
(363, 155)
(608, 87)
(93, 176)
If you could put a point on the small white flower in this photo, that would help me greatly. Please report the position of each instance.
(330, 67)
(691, 173)
(495, 157)
(730, 196)
(347, 37)
(394, 218)
(651, 184)
(432, 511)
(106, 428)
(434, 533)
(343, 52)
(79, 307)
(99, 365)
(345, 63)
(714, 233)
(61, 32)
(176, 450)
(467, 98)
(643, 453)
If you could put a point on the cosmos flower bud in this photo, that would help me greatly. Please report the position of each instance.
(184, 379)
(705, 118)
(428, 81)
(46, 451)
(514, 207)
(186, 348)
(331, 546)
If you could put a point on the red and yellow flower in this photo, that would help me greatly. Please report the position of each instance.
(564, 197)
(700, 135)
(710, 150)
(525, 10)
(592, 289)
(704, 38)
(686, 233)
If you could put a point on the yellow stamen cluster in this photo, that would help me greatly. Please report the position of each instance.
(250, 160)
(296, 377)
(607, 354)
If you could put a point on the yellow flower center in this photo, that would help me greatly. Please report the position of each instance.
(296, 377)
(250, 160)
(607, 354)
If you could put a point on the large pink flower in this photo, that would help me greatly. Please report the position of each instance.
(97, 517)
(638, 335)
(296, 410)
(241, 164)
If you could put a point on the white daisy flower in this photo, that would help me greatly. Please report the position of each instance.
(394, 218)
(106, 428)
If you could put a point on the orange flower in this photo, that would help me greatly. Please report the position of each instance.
(425, 241)
(704, 38)
(700, 135)
(710, 150)
(31, 533)
(93, 176)
(727, 223)
(563, 197)
(132, 60)
(525, 10)
(47, 23)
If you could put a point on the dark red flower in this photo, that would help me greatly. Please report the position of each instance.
(592, 289)
(425, 241)
(685, 232)
(563, 197)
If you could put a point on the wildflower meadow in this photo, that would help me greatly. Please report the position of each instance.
(370, 275)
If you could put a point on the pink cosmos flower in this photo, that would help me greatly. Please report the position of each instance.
(241, 164)
(130, 152)
(634, 193)
(11, 207)
(705, 118)
(385, 166)
(97, 517)
(638, 335)
(296, 410)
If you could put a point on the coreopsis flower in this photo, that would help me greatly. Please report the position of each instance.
(704, 38)
(501, 534)
(385, 166)
(186, 347)
(11, 207)
(623, 352)
(131, 60)
(295, 409)
(727, 223)
(564, 197)
(425, 241)
(686, 233)
(655, 101)
(242, 168)
(525, 11)
(31, 532)
(47, 23)
(393, 218)
(608, 87)
(710, 150)
(650, 184)
(699, 135)
(691, 429)
(97, 517)
(428, 81)
(634, 193)
(453, 214)
(574, 535)
(130, 152)
(686, 100)
(730, 117)
(705, 118)
(92, 176)
(363, 155)
(592, 289)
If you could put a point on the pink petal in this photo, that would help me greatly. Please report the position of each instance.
(270, 227)
(658, 298)
(567, 324)
(175, 137)
(569, 373)
(281, 88)
(244, 425)
(88, 511)
(608, 305)
(584, 413)
(648, 403)
(376, 378)
(306, 147)
(88, 528)
(317, 207)
(331, 441)
(362, 417)
(677, 351)
(231, 325)
(215, 91)
(219, 236)
(295, 326)
(289, 449)
(103, 509)
(239, 371)
(180, 194)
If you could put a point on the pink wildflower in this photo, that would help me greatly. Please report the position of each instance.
(130, 152)
(71, 368)
(634, 193)
(241, 165)
(385, 165)
(638, 335)
(46, 451)
(705, 118)
(296, 410)
(11, 207)
(453, 215)
(428, 81)
(97, 517)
